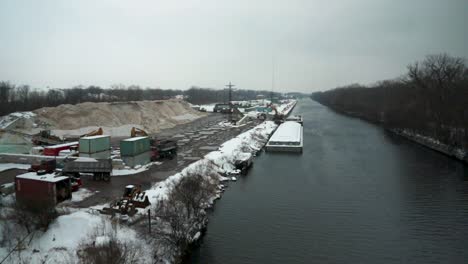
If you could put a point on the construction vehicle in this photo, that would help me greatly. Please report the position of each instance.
(48, 166)
(75, 183)
(45, 137)
(222, 108)
(96, 132)
(160, 148)
(100, 168)
(163, 149)
(138, 132)
(132, 199)
(277, 117)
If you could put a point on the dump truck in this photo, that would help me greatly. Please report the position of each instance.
(100, 168)
(160, 148)
(163, 149)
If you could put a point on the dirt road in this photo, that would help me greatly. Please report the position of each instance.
(195, 139)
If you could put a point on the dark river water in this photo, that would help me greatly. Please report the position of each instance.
(356, 195)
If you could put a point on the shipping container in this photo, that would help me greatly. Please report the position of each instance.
(140, 159)
(94, 144)
(134, 146)
(106, 154)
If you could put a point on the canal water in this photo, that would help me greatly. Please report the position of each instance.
(356, 195)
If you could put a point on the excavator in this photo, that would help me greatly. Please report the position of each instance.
(160, 148)
(96, 132)
(277, 118)
(45, 137)
(138, 132)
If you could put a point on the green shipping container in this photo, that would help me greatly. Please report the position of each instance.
(133, 146)
(140, 159)
(94, 144)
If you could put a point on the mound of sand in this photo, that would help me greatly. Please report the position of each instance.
(116, 118)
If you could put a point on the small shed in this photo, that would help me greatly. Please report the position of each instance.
(42, 191)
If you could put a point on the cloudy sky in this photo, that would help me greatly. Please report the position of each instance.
(314, 44)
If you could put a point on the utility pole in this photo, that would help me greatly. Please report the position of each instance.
(149, 221)
(229, 86)
(272, 79)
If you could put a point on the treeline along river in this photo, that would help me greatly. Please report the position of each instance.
(356, 195)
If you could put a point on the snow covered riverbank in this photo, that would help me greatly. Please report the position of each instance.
(433, 144)
(67, 233)
(224, 158)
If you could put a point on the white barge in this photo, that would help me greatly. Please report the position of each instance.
(287, 138)
(296, 118)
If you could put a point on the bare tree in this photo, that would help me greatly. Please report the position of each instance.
(431, 100)
(103, 246)
(182, 214)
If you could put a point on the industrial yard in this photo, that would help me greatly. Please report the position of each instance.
(101, 170)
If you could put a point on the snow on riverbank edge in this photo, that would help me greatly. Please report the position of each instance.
(433, 144)
(250, 141)
(65, 233)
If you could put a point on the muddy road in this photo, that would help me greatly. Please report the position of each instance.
(195, 140)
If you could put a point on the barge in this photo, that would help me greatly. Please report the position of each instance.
(295, 118)
(287, 138)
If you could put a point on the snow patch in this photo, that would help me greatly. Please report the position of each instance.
(9, 166)
(81, 194)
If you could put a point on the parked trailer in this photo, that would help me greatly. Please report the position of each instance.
(100, 168)
(55, 149)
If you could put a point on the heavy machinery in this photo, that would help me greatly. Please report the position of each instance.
(138, 132)
(132, 199)
(277, 118)
(100, 168)
(222, 108)
(163, 149)
(160, 148)
(96, 132)
(48, 166)
(45, 137)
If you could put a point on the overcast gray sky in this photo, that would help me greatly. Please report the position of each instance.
(316, 44)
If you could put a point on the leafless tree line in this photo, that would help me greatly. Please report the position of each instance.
(431, 100)
(24, 98)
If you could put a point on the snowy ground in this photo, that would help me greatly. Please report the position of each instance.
(252, 140)
(7, 120)
(81, 194)
(9, 166)
(65, 234)
(130, 171)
